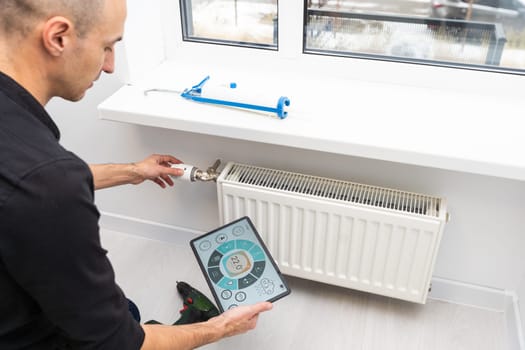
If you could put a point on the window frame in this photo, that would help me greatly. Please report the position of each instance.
(291, 43)
(184, 14)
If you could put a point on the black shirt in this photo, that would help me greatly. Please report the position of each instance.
(57, 287)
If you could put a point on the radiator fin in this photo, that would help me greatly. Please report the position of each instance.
(335, 189)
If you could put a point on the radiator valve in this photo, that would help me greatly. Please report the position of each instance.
(192, 173)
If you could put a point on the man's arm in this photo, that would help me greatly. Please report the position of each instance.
(185, 337)
(156, 168)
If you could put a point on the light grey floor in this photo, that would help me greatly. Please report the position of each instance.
(314, 316)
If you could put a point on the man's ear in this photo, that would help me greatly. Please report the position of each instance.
(57, 34)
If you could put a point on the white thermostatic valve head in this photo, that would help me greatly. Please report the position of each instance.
(189, 172)
(192, 173)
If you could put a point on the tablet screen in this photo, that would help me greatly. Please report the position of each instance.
(237, 265)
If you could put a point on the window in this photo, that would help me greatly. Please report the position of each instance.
(251, 23)
(484, 34)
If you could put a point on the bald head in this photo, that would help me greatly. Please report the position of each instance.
(59, 48)
(18, 17)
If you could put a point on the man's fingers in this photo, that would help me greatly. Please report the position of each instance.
(167, 179)
(166, 158)
(262, 307)
(159, 182)
(173, 171)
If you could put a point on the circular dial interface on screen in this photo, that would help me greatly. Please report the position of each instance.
(237, 264)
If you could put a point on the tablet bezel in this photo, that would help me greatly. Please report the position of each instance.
(261, 243)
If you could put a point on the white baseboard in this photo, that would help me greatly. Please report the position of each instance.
(468, 294)
(442, 289)
(147, 229)
(486, 298)
(514, 324)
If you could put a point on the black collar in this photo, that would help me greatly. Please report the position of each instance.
(24, 99)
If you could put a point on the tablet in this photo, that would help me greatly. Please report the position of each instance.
(237, 265)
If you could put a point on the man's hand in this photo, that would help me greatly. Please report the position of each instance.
(185, 337)
(156, 168)
(240, 319)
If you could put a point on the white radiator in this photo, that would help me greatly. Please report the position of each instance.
(363, 237)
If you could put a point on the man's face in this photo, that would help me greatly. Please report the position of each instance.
(94, 53)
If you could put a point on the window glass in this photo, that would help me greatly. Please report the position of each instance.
(484, 34)
(237, 22)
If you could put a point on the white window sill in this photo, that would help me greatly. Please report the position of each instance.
(475, 132)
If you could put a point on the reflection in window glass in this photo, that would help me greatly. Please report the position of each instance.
(237, 22)
(488, 34)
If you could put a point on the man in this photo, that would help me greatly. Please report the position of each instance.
(57, 287)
